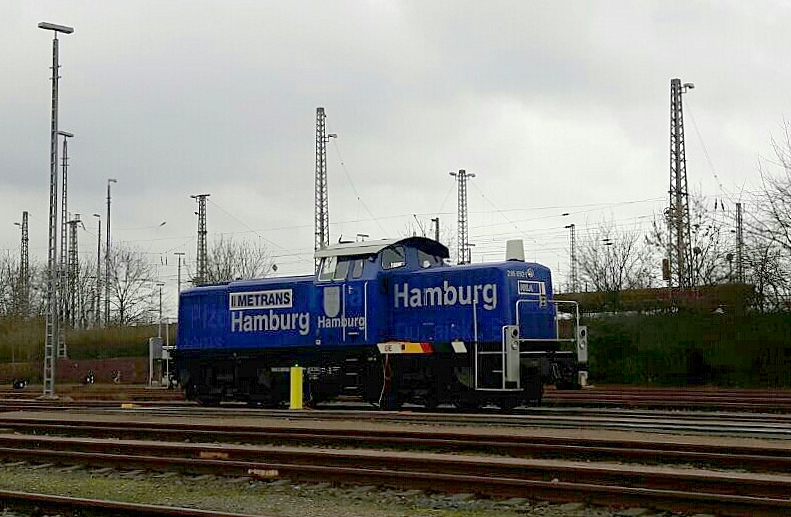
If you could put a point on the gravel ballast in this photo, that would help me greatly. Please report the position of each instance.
(281, 497)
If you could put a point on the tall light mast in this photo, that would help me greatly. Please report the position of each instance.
(51, 332)
(679, 244)
(465, 255)
(321, 209)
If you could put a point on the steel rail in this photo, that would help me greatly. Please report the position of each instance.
(104, 507)
(676, 489)
(765, 428)
(486, 415)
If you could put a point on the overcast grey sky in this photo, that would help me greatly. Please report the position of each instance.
(556, 106)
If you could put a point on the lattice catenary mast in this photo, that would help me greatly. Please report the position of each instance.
(739, 245)
(200, 276)
(679, 244)
(24, 269)
(64, 287)
(573, 257)
(73, 273)
(321, 209)
(465, 255)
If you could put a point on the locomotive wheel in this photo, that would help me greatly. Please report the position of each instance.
(508, 404)
(568, 385)
(431, 402)
(209, 401)
(468, 405)
(534, 391)
(391, 402)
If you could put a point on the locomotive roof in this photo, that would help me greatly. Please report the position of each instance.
(347, 249)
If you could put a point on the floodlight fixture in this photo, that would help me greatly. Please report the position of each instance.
(468, 174)
(55, 27)
(65, 133)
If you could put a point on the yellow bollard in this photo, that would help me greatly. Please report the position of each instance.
(296, 387)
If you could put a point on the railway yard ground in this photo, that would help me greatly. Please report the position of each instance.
(150, 453)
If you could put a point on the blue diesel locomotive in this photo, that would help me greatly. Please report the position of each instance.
(388, 321)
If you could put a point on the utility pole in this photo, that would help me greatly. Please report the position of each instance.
(739, 245)
(321, 209)
(465, 255)
(51, 337)
(159, 324)
(679, 244)
(200, 277)
(573, 256)
(73, 274)
(97, 314)
(179, 254)
(435, 220)
(107, 260)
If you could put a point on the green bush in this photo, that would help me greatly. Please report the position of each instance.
(683, 349)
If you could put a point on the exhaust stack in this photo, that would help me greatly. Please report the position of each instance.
(515, 250)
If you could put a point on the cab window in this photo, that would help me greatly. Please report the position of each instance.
(357, 268)
(341, 269)
(327, 270)
(393, 257)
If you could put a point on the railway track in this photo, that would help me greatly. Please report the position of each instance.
(747, 424)
(672, 422)
(742, 400)
(677, 489)
(46, 503)
(718, 399)
(758, 458)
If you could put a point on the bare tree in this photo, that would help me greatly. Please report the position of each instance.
(8, 281)
(83, 313)
(232, 260)
(38, 288)
(775, 199)
(131, 285)
(767, 269)
(612, 261)
(769, 233)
